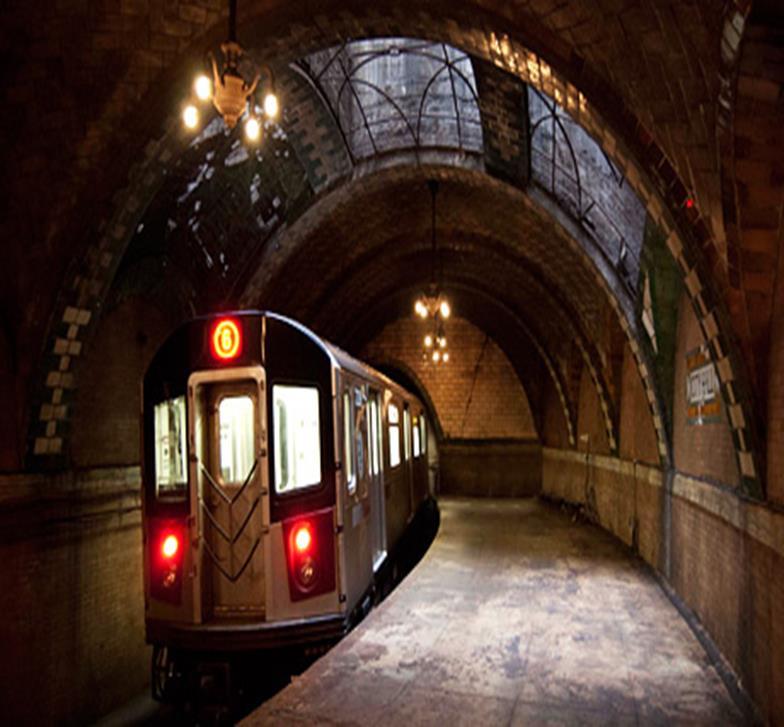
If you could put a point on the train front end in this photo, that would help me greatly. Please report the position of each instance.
(240, 523)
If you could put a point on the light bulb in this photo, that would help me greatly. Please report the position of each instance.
(190, 116)
(436, 356)
(271, 106)
(428, 341)
(445, 309)
(446, 356)
(202, 86)
(442, 342)
(252, 129)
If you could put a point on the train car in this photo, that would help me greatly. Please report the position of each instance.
(280, 475)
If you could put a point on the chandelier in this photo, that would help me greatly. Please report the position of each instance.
(232, 93)
(432, 305)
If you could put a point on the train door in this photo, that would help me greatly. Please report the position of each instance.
(230, 502)
(378, 530)
(357, 521)
(409, 468)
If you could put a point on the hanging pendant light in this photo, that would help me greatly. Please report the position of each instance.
(432, 305)
(232, 94)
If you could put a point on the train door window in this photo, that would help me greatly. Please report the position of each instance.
(406, 434)
(423, 432)
(297, 452)
(393, 417)
(373, 434)
(360, 425)
(171, 471)
(236, 426)
(415, 437)
(348, 444)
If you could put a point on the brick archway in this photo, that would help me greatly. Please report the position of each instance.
(511, 43)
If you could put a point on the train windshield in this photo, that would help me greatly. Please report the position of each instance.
(297, 437)
(171, 473)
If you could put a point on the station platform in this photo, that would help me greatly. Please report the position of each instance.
(516, 615)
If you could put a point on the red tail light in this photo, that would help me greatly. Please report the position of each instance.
(166, 559)
(170, 546)
(303, 539)
(310, 551)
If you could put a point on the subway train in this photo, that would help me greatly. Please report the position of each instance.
(282, 482)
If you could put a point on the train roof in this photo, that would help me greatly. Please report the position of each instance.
(339, 358)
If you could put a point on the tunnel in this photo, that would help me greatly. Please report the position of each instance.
(596, 191)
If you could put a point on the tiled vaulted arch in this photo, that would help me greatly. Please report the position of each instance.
(506, 42)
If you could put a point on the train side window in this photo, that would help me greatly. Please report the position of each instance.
(423, 432)
(393, 417)
(406, 434)
(297, 437)
(348, 444)
(415, 438)
(235, 420)
(171, 462)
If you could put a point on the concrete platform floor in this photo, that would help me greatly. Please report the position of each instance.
(517, 616)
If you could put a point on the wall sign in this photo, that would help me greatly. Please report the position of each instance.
(703, 400)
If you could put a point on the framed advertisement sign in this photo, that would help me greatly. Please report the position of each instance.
(703, 398)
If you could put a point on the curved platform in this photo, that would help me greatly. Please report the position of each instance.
(516, 615)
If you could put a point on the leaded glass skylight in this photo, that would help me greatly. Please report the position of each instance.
(390, 94)
(569, 164)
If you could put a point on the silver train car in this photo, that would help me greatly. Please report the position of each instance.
(280, 477)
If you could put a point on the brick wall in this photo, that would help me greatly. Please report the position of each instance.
(636, 432)
(107, 404)
(775, 479)
(10, 420)
(591, 430)
(554, 429)
(477, 395)
(490, 468)
(71, 596)
(727, 555)
(704, 450)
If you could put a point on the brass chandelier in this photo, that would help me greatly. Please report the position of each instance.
(432, 305)
(231, 93)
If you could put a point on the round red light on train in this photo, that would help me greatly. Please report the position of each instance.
(226, 339)
(170, 546)
(303, 539)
